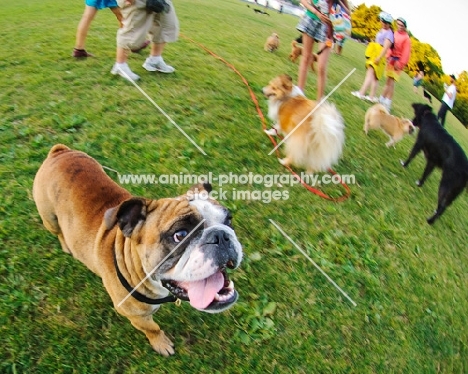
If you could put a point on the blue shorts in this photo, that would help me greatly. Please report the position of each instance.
(314, 28)
(101, 4)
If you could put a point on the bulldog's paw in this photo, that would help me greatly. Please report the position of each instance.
(162, 344)
(419, 183)
(403, 163)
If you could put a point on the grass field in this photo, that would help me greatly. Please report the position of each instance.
(408, 279)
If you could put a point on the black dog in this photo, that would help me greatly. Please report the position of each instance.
(440, 150)
(260, 11)
(427, 95)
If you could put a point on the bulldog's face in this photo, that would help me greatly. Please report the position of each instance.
(186, 244)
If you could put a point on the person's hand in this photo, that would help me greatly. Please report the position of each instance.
(377, 61)
(325, 19)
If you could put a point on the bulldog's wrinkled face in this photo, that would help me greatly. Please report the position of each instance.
(187, 244)
(199, 274)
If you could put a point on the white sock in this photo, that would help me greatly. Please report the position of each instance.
(155, 59)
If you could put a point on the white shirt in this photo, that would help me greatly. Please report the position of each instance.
(446, 99)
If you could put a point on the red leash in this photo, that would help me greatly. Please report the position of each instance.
(262, 118)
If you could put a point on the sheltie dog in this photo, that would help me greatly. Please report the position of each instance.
(314, 132)
(378, 117)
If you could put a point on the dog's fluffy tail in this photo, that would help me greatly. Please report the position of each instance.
(324, 140)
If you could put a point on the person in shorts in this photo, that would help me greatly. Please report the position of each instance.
(375, 59)
(315, 26)
(91, 8)
(137, 24)
(397, 59)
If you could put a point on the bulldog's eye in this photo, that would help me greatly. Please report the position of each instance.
(228, 221)
(180, 235)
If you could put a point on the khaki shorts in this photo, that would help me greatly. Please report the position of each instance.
(138, 23)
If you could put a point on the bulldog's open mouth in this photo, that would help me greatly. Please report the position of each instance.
(213, 293)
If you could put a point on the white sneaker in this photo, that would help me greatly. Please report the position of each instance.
(372, 99)
(125, 72)
(160, 66)
(358, 95)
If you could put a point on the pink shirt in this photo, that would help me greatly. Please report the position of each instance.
(401, 49)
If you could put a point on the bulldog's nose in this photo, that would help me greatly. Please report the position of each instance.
(218, 237)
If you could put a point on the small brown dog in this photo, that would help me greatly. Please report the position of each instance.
(377, 117)
(272, 43)
(296, 51)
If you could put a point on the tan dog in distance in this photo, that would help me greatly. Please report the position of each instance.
(377, 117)
(143, 249)
(272, 43)
(296, 51)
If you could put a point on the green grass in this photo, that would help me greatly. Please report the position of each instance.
(409, 279)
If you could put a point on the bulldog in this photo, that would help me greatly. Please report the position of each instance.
(146, 251)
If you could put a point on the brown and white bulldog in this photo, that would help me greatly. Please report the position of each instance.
(148, 248)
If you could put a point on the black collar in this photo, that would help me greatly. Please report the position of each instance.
(137, 295)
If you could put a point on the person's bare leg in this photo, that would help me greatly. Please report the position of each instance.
(322, 70)
(157, 49)
(121, 55)
(83, 26)
(307, 46)
(368, 79)
(389, 88)
(374, 85)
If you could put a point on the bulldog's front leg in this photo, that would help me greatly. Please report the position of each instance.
(158, 339)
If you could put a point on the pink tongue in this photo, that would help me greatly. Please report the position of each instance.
(201, 293)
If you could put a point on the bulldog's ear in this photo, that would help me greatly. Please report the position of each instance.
(126, 215)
